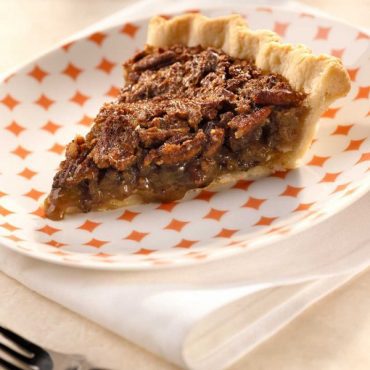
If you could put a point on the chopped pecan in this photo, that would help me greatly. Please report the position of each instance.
(155, 61)
(244, 124)
(169, 154)
(226, 117)
(116, 145)
(282, 97)
(154, 135)
(75, 147)
(216, 139)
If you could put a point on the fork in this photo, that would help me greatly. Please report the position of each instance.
(37, 358)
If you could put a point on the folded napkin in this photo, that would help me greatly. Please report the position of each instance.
(207, 316)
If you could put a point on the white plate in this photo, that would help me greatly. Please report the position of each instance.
(44, 104)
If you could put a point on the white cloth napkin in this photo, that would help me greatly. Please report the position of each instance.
(207, 316)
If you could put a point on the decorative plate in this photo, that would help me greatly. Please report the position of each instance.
(44, 104)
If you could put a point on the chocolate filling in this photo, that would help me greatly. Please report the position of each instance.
(185, 116)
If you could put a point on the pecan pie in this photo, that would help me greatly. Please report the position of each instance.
(206, 101)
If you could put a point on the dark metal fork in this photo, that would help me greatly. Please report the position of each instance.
(33, 357)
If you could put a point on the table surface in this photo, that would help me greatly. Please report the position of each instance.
(334, 334)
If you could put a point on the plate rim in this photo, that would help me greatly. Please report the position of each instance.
(362, 187)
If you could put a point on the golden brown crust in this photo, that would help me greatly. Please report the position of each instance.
(322, 77)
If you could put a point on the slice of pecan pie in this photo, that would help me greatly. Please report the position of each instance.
(206, 101)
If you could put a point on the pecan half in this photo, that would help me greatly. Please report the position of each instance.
(155, 61)
(216, 139)
(154, 135)
(282, 97)
(244, 124)
(169, 153)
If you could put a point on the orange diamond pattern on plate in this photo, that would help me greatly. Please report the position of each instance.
(342, 130)
(243, 184)
(21, 152)
(303, 207)
(362, 35)
(9, 226)
(185, 243)
(215, 214)
(27, 173)
(49, 230)
(72, 71)
(86, 121)
(330, 113)
(67, 46)
(79, 98)
(265, 221)
(322, 33)
(281, 28)
(59, 253)
(254, 203)
(98, 37)
(364, 157)
(226, 233)
(38, 212)
(353, 73)
(169, 206)
(15, 128)
(363, 92)
(44, 102)
(38, 74)
(317, 161)
(96, 243)
(205, 195)
(176, 225)
(57, 148)
(130, 29)
(197, 255)
(280, 174)
(291, 191)
(113, 92)
(233, 243)
(330, 177)
(34, 194)
(338, 53)
(10, 102)
(136, 236)
(128, 215)
(341, 187)
(51, 127)
(106, 66)
(102, 255)
(354, 145)
(144, 251)
(89, 226)
(55, 244)
(14, 238)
